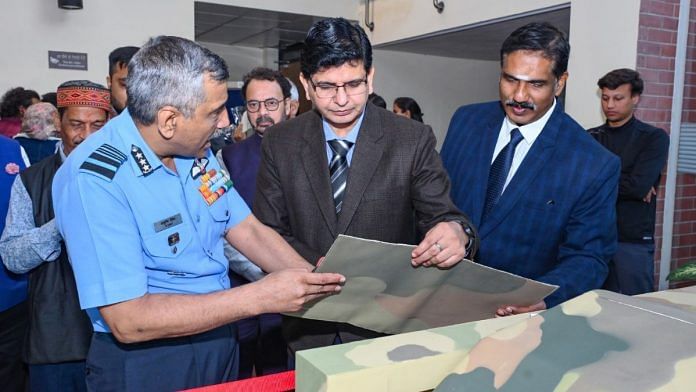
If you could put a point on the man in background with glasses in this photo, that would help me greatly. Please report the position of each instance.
(349, 167)
(267, 94)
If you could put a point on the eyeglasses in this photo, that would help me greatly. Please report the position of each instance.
(329, 90)
(271, 105)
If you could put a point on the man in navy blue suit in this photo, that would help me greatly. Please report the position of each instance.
(267, 95)
(538, 187)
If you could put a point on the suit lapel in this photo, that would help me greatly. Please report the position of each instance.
(483, 159)
(537, 158)
(366, 157)
(316, 168)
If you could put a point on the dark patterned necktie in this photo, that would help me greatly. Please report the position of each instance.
(499, 171)
(338, 169)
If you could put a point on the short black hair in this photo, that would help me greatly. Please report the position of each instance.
(120, 57)
(15, 98)
(543, 37)
(51, 98)
(410, 104)
(377, 100)
(333, 42)
(621, 76)
(261, 73)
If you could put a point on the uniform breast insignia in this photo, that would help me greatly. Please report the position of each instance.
(198, 168)
(139, 157)
(214, 184)
(168, 222)
(104, 162)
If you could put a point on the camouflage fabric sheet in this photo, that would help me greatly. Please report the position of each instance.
(414, 361)
(600, 341)
(384, 293)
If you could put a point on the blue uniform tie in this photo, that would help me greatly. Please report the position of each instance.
(499, 171)
(338, 169)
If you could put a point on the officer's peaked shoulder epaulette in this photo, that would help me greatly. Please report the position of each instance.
(104, 162)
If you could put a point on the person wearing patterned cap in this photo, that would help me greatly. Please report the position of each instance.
(59, 331)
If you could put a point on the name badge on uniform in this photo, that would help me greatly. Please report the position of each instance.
(167, 223)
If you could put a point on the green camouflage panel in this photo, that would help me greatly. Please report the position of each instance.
(600, 341)
(384, 293)
(393, 363)
(684, 298)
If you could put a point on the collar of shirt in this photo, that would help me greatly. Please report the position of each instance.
(352, 136)
(133, 140)
(59, 147)
(530, 132)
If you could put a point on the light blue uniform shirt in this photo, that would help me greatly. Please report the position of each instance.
(352, 137)
(133, 226)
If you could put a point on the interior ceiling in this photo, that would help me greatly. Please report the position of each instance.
(239, 26)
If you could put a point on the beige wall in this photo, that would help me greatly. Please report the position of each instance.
(33, 27)
(603, 37)
(399, 19)
(439, 84)
(329, 8)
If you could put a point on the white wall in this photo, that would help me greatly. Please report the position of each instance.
(241, 60)
(330, 8)
(33, 27)
(399, 19)
(439, 84)
(603, 37)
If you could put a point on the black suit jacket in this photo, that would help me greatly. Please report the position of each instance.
(396, 190)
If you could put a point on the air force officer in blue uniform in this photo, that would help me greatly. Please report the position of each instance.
(144, 209)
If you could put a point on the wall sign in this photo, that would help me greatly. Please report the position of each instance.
(67, 60)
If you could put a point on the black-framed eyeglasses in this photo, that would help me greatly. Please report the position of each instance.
(271, 104)
(329, 90)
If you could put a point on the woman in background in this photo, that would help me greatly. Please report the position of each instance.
(408, 107)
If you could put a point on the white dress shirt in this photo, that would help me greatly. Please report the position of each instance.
(529, 132)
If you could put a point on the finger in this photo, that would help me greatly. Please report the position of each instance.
(321, 278)
(450, 262)
(321, 289)
(428, 255)
(423, 247)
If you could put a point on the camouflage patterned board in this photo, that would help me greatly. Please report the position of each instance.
(384, 293)
(600, 341)
(412, 361)
(684, 298)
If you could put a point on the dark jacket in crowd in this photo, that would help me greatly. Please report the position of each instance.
(643, 150)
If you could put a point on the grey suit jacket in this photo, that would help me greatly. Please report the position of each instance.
(396, 191)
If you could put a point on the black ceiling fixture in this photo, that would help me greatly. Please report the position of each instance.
(70, 4)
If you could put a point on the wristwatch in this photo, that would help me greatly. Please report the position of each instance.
(471, 233)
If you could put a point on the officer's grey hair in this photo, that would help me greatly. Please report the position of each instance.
(169, 71)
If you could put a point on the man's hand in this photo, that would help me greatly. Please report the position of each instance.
(510, 309)
(650, 195)
(443, 246)
(288, 290)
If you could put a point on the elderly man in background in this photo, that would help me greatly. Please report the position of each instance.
(59, 331)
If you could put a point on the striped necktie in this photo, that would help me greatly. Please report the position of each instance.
(499, 171)
(338, 169)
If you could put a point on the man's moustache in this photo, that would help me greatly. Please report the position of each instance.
(264, 119)
(523, 105)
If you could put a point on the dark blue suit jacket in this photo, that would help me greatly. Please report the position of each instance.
(242, 161)
(556, 220)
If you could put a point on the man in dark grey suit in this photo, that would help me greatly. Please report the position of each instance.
(349, 167)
